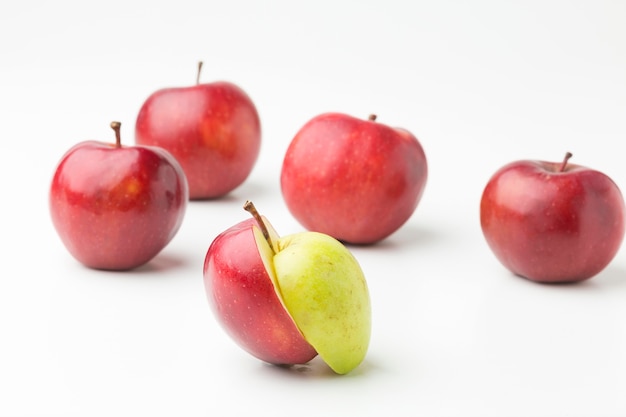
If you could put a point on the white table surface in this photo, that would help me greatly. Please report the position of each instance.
(480, 83)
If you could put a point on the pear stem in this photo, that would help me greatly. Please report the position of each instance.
(250, 208)
(118, 139)
(199, 71)
(568, 155)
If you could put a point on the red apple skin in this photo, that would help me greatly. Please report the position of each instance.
(243, 299)
(212, 129)
(549, 225)
(116, 208)
(354, 179)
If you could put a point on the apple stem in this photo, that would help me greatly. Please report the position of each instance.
(250, 208)
(568, 155)
(116, 127)
(199, 71)
(372, 118)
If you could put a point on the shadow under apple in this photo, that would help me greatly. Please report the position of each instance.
(611, 276)
(409, 236)
(249, 190)
(317, 369)
(160, 263)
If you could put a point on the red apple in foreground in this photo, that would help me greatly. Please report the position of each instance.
(212, 129)
(241, 292)
(116, 207)
(287, 299)
(356, 180)
(552, 221)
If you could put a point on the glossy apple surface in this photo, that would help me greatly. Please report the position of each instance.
(242, 295)
(116, 207)
(287, 299)
(212, 129)
(552, 221)
(354, 179)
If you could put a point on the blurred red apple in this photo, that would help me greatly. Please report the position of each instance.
(212, 129)
(552, 221)
(116, 207)
(356, 180)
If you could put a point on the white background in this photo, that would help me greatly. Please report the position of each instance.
(480, 84)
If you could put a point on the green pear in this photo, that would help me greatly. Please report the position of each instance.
(323, 288)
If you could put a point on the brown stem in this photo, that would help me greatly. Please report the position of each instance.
(250, 208)
(372, 118)
(199, 71)
(568, 155)
(116, 127)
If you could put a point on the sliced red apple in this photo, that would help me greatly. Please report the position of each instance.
(239, 282)
(287, 299)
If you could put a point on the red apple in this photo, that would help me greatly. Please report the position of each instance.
(356, 180)
(552, 221)
(116, 207)
(242, 296)
(212, 129)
